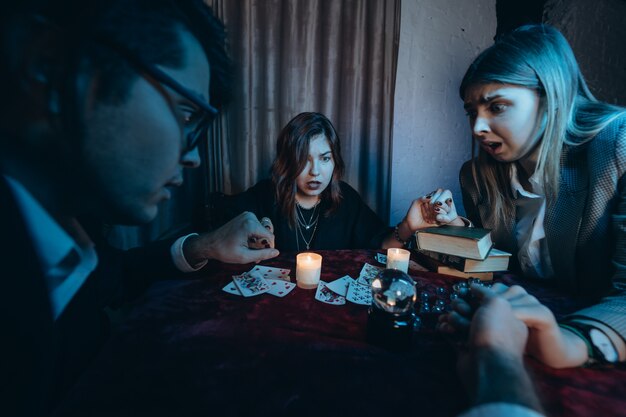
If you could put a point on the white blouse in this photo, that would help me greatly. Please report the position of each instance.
(533, 253)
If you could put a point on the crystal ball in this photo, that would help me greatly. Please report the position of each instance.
(393, 291)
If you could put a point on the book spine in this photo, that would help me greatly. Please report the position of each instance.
(455, 262)
(483, 276)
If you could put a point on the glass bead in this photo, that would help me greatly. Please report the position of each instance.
(441, 292)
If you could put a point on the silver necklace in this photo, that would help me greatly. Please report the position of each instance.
(302, 223)
(306, 242)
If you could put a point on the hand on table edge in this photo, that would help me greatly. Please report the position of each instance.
(492, 364)
(547, 342)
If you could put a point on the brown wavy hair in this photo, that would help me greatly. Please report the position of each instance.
(292, 152)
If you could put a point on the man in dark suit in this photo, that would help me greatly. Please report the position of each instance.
(103, 105)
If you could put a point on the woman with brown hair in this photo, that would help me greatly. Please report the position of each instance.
(307, 205)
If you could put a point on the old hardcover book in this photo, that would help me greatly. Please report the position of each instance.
(483, 276)
(497, 260)
(467, 242)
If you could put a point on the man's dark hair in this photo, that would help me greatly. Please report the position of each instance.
(146, 28)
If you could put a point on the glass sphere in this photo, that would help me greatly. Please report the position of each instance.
(393, 291)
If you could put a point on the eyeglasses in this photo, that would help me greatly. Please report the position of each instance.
(195, 125)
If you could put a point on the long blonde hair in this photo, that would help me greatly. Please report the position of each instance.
(537, 57)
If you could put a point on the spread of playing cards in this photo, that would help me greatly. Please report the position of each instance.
(261, 280)
(276, 281)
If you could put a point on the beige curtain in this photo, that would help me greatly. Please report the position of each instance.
(337, 57)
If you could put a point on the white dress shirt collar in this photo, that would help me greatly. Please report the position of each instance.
(66, 262)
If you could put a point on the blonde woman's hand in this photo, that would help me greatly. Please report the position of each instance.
(547, 342)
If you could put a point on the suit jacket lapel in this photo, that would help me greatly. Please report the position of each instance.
(25, 314)
(563, 218)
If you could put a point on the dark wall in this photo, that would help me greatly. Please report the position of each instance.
(515, 13)
(596, 29)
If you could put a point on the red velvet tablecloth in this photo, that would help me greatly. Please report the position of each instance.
(190, 349)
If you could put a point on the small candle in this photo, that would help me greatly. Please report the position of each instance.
(308, 269)
(398, 259)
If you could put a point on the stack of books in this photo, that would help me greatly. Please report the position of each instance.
(461, 251)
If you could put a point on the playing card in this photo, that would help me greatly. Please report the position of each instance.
(280, 288)
(381, 258)
(368, 273)
(267, 272)
(250, 284)
(340, 285)
(325, 295)
(231, 288)
(359, 294)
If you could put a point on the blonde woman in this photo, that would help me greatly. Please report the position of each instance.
(549, 181)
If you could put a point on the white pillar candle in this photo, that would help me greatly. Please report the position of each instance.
(398, 259)
(308, 269)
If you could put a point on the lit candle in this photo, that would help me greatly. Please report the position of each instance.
(398, 259)
(308, 269)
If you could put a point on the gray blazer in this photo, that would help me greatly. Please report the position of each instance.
(585, 227)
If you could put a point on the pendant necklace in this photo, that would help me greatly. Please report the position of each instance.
(302, 220)
(306, 242)
(302, 223)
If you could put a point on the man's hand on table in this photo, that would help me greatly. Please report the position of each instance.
(547, 342)
(242, 240)
(492, 366)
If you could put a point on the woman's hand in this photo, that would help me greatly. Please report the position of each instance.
(433, 209)
(255, 242)
(547, 342)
